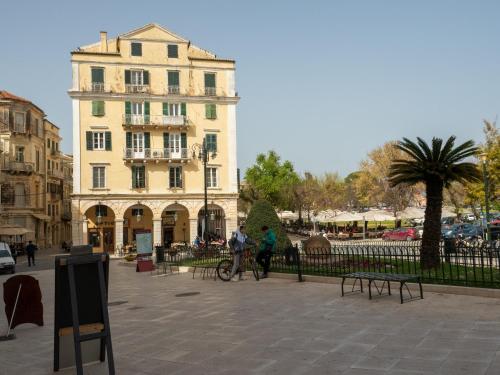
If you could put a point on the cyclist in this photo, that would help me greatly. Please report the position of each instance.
(237, 244)
(267, 245)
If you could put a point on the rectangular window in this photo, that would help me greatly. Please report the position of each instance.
(98, 142)
(173, 82)
(210, 87)
(101, 210)
(40, 128)
(98, 177)
(48, 210)
(97, 76)
(136, 77)
(137, 211)
(4, 115)
(173, 51)
(138, 177)
(136, 49)
(211, 140)
(37, 160)
(210, 111)
(20, 122)
(212, 178)
(48, 143)
(20, 154)
(175, 177)
(97, 108)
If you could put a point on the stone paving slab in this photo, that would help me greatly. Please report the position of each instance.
(274, 326)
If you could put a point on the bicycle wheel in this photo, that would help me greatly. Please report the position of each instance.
(255, 270)
(224, 269)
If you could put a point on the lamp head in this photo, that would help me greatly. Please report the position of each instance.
(483, 157)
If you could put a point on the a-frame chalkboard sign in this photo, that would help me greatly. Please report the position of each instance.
(81, 305)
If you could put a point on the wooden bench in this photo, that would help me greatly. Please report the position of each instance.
(386, 278)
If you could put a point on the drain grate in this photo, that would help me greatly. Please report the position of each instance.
(187, 294)
(117, 303)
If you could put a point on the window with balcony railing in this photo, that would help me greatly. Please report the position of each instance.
(210, 89)
(97, 75)
(173, 82)
(136, 81)
(20, 122)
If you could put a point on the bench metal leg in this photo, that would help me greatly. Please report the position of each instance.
(401, 292)
(370, 288)
(194, 271)
(342, 286)
(421, 290)
(389, 287)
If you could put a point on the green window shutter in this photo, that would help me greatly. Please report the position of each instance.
(165, 140)
(142, 176)
(94, 177)
(97, 75)
(107, 140)
(89, 141)
(100, 108)
(210, 111)
(146, 108)
(134, 177)
(173, 51)
(173, 78)
(165, 109)
(128, 108)
(183, 109)
(145, 77)
(129, 140)
(179, 176)
(147, 140)
(171, 177)
(127, 77)
(209, 79)
(95, 110)
(183, 140)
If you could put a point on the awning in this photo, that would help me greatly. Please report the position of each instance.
(42, 217)
(13, 230)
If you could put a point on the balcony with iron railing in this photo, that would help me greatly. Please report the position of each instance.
(97, 87)
(13, 166)
(155, 120)
(173, 90)
(160, 154)
(210, 91)
(135, 88)
(54, 173)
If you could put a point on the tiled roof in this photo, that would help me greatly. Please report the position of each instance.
(5, 95)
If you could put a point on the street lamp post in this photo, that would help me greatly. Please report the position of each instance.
(484, 160)
(203, 155)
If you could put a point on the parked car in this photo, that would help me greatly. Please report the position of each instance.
(469, 217)
(7, 263)
(472, 232)
(401, 234)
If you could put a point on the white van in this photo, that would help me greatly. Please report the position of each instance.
(7, 263)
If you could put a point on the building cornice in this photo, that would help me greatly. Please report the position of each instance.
(153, 196)
(131, 64)
(159, 98)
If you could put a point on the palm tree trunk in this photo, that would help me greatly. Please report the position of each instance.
(429, 253)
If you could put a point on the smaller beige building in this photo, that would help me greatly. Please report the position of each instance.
(32, 172)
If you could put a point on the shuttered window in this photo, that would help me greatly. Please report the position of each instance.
(173, 51)
(138, 177)
(211, 140)
(210, 111)
(210, 80)
(136, 49)
(98, 177)
(97, 108)
(175, 177)
(97, 75)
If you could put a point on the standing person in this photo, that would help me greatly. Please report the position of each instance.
(30, 250)
(267, 245)
(237, 244)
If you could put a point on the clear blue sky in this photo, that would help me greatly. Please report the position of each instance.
(321, 82)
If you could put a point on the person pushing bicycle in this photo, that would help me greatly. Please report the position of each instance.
(238, 244)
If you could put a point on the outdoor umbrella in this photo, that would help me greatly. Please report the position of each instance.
(13, 230)
(411, 213)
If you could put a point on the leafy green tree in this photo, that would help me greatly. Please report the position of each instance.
(437, 166)
(269, 178)
(262, 213)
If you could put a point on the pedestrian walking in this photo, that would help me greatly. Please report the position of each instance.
(30, 251)
(266, 249)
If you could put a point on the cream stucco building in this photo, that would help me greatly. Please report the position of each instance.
(141, 103)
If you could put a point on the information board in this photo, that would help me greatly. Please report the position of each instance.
(144, 243)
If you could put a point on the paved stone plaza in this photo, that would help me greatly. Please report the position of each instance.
(271, 327)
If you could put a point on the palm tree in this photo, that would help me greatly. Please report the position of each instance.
(436, 166)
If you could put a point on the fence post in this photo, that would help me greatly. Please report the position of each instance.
(299, 267)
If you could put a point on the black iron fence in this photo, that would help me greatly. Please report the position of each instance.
(464, 264)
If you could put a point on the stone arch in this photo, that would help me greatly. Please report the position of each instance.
(216, 221)
(100, 227)
(175, 224)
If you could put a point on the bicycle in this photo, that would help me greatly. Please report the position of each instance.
(225, 266)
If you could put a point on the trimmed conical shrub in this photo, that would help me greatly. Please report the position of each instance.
(262, 213)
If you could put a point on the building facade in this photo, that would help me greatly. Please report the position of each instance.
(143, 103)
(23, 175)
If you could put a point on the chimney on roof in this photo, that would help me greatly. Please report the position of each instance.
(104, 41)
